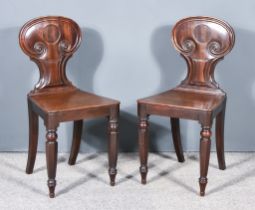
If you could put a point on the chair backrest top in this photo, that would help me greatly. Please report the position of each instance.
(50, 41)
(202, 41)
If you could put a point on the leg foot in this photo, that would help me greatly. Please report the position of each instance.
(143, 171)
(112, 173)
(52, 184)
(175, 125)
(202, 183)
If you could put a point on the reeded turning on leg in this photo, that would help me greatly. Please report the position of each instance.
(77, 132)
(143, 139)
(220, 139)
(113, 145)
(33, 139)
(205, 145)
(175, 125)
(51, 158)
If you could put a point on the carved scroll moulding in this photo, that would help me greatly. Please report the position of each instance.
(50, 41)
(39, 38)
(39, 43)
(205, 38)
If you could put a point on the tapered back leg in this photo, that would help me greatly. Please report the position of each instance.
(33, 139)
(77, 132)
(220, 139)
(175, 125)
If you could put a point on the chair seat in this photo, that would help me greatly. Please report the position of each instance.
(183, 100)
(74, 101)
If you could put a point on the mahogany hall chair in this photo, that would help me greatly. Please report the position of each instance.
(50, 42)
(202, 42)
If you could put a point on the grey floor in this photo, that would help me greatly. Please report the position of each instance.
(171, 185)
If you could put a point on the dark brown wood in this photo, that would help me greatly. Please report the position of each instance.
(205, 145)
(51, 157)
(143, 137)
(50, 42)
(33, 139)
(175, 124)
(220, 118)
(202, 42)
(77, 132)
(113, 143)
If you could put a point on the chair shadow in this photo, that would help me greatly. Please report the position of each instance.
(18, 74)
(23, 184)
(88, 175)
(20, 182)
(167, 173)
(86, 60)
(236, 76)
(82, 67)
(232, 165)
(161, 173)
(61, 159)
(172, 67)
(90, 157)
(234, 181)
(165, 156)
(132, 176)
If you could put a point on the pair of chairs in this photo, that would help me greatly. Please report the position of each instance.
(51, 41)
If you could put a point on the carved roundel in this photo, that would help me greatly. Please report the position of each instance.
(39, 48)
(51, 33)
(202, 33)
(188, 45)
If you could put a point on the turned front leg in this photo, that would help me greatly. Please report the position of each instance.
(143, 139)
(113, 144)
(51, 157)
(205, 145)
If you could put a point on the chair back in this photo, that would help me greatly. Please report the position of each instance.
(50, 41)
(202, 41)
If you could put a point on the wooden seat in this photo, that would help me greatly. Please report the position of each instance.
(183, 100)
(202, 42)
(50, 42)
(71, 102)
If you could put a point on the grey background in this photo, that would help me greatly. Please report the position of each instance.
(126, 54)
